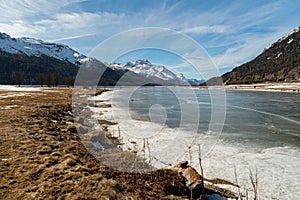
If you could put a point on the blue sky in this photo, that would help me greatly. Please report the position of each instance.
(231, 32)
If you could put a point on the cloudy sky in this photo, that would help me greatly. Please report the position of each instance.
(231, 32)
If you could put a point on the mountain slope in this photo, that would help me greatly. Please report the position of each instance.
(34, 62)
(45, 70)
(34, 47)
(277, 63)
(31, 61)
(34, 70)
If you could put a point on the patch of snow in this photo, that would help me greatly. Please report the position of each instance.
(8, 107)
(290, 41)
(285, 85)
(296, 30)
(4, 96)
(278, 55)
(89, 62)
(268, 87)
(87, 59)
(15, 88)
(283, 38)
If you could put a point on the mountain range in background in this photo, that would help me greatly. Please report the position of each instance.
(35, 62)
(30, 61)
(278, 63)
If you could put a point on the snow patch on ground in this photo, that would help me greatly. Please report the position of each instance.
(8, 107)
(274, 87)
(290, 41)
(15, 88)
(13, 95)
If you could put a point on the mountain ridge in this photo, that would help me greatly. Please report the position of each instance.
(36, 47)
(34, 58)
(280, 62)
(145, 68)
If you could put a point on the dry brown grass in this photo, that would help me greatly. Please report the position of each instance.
(44, 161)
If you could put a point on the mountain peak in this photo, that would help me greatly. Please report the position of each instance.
(4, 36)
(142, 62)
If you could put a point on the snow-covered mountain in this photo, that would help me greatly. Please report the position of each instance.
(195, 82)
(34, 47)
(147, 69)
(34, 57)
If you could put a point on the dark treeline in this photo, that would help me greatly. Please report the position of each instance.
(20, 69)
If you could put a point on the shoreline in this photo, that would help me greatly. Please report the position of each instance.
(42, 156)
(53, 127)
(217, 158)
(147, 151)
(150, 149)
(264, 87)
(269, 87)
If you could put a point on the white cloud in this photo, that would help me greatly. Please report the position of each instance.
(64, 26)
(22, 18)
(71, 37)
(240, 39)
(206, 29)
(15, 9)
(78, 21)
(21, 28)
(181, 65)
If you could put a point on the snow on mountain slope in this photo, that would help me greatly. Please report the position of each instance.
(145, 68)
(34, 47)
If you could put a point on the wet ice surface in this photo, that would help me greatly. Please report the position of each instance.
(267, 147)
